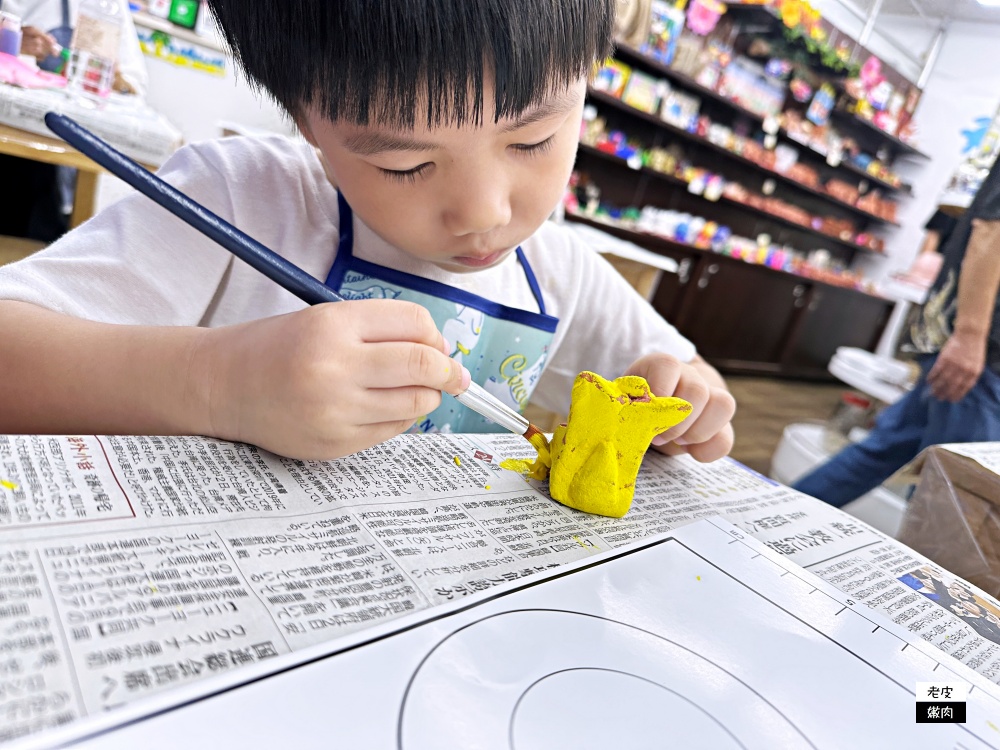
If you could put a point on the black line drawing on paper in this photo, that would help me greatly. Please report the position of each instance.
(592, 669)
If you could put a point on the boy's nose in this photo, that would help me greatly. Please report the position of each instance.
(478, 209)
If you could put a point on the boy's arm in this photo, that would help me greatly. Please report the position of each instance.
(60, 374)
(320, 383)
(963, 356)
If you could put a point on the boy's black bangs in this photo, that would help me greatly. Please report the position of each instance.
(392, 61)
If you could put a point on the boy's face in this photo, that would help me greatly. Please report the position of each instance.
(460, 197)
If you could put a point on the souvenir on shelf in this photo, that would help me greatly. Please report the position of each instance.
(703, 15)
(821, 105)
(666, 22)
(643, 92)
(612, 77)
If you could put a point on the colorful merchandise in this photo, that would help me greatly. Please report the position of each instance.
(643, 92)
(666, 25)
(612, 77)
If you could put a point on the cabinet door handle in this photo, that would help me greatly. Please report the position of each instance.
(707, 275)
(684, 271)
(799, 290)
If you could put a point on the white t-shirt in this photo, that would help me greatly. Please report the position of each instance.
(135, 263)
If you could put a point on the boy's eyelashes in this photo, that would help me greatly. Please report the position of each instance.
(405, 175)
(535, 148)
(410, 175)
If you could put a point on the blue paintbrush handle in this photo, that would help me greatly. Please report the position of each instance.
(246, 248)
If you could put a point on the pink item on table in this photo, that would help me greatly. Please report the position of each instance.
(19, 73)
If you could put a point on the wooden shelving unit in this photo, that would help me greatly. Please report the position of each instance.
(745, 317)
(608, 100)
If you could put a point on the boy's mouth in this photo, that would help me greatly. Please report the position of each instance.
(479, 261)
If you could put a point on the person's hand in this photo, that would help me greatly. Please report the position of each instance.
(958, 367)
(121, 84)
(327, 381)
(37, 43)
(707, 433)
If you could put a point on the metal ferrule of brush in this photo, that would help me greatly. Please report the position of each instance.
(482, 402)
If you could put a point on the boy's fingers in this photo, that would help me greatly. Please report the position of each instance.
(718, 413)
(715, 448)
(661, 371)
(378, 320)
(404, 404)
(696, 392)
(394, 364)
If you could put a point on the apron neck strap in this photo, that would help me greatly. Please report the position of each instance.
(345, 249)
(65, 13)
(532, 281)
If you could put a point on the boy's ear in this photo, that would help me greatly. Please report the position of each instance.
(303, 126)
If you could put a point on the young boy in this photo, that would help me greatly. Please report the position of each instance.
(441, 134)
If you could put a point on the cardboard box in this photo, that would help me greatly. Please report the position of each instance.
(953, 516)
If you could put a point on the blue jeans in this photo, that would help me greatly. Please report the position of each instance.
(901, 431)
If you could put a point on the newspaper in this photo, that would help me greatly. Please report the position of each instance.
(131, 565)
(986, 454)
(125, 122)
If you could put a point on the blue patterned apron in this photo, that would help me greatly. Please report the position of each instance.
(504, 348)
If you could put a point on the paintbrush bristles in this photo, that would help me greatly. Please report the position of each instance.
(531, 432)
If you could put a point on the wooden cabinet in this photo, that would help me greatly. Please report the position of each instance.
(669, 293)
(746, 318)
(740, 316)
(833, 318)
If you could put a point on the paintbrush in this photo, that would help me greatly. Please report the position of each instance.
(250, 251)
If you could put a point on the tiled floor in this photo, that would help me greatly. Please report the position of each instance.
(766, 405)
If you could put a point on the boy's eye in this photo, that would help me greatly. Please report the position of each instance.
(535, 148)
(405, 175)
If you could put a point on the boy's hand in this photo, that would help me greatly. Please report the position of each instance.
(707, 433)
(326, 381)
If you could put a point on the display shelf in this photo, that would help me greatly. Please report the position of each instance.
(646, 239)
(604, 98)
(654, 241)
(633, 55)
(898, 145)
(767, 15)
(663, 176)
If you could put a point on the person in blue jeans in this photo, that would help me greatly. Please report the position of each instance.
(957, 398)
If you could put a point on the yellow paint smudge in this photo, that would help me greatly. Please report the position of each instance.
(992, 726)
(8, 484)
(457, 460)
(488, 486)
(697, 578)
(579, 541)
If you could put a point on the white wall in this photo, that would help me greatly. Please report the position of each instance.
(195, 101)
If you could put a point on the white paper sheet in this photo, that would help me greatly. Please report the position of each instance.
(701, 638)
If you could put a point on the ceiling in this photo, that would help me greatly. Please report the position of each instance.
(955, 10)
